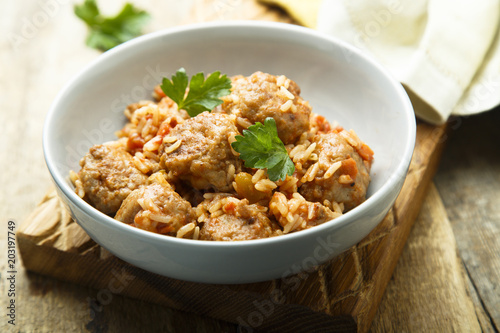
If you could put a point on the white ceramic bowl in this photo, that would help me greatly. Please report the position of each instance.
(337, 80)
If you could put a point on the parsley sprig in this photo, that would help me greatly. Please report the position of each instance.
(203, 94)
(261, 148)
(108, 32)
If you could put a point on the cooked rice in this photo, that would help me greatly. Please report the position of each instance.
(356, 138)
(313, 157)
(140, 124)
(202, 217)
(332, 169)
(217, 213)
(186, 229)
(230, 172)
(260, 174)
(153, 144)
(158, 217)
(151, 155)
(345, 179)
(293, 204)
(73, 176)
(77, 182)
(337, 208)
(147, 128)
(308, 151)
(210, 195)
(311, 173)
(156, 117)
(292, 225)
(286, 106)
(196, 233)
(169, 139)
(231, 139)
(290, 217)
(138, 161)
(302, 152)
(289, 184)
(295, 151)
(127, 113)
(243, 122)
(286, 93)
(280, 81)
(158, 177)
(151, 205)
(303, 138)
(265, 185)
(215, 207)
(348, 137)
(298, 196)
(173, 147)
(140, 201)
(310, 212)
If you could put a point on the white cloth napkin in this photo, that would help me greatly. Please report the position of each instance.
(445, 52)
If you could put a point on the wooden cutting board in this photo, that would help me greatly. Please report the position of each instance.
(341, 295)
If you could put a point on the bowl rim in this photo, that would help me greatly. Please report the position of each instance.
(351, 216)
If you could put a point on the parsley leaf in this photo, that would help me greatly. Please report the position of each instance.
(203, 94)
(260, 147)
(108, 32)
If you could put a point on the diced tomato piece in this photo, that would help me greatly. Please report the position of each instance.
(349, 167)
(135, 142)
(365, 152)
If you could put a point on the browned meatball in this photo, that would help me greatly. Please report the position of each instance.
(263, 95)
(347, 185)
(157, 208)
(231, 219)
(203, 157)
(108, 176)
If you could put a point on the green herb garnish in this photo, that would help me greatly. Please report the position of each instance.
(260, 147)
(108, 32)
(203, 94)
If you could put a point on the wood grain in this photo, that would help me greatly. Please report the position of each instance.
(473, 203)
(410, 304)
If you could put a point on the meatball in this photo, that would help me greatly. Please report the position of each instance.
(108, 176)
(201, 154)
(263, 95)
(156, 207)
(343, 175)
(231, 219)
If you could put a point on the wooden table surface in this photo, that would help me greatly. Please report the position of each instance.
(454, 247)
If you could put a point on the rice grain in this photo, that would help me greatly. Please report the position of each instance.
(332, 169)
(285, 92)
(265, 185)
(261, 173)
(173, 147)
(286, 106)
(185, 229)
(243, 122)
(160, 218)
